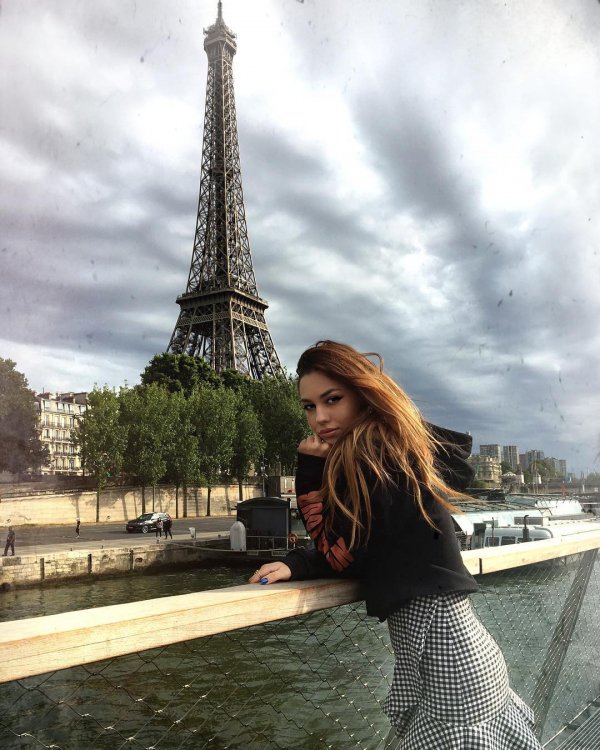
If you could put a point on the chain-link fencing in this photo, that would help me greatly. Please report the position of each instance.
(312, 681)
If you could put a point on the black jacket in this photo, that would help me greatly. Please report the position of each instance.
(404, 556)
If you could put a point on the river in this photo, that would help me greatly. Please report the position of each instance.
(84, 594)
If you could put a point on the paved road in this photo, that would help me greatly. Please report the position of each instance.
(94, 535)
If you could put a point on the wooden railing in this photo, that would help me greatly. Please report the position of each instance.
(44, 644)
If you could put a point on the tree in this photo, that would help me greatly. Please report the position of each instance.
(248, 443)
(212, 413)
(101, 438)
(182, 451)
(282, 420)
(235, 381)
(544, 467)
(146, 417)
(20, 446)
(179, 373)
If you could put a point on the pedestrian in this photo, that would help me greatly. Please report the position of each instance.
(372, 486)
(10, 542)
(168, 522)
(159, 528)
(77, 525)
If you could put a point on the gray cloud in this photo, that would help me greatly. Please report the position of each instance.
(430, 192)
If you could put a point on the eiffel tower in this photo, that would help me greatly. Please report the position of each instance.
(222, 317)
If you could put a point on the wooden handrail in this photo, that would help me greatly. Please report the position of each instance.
(44, 644)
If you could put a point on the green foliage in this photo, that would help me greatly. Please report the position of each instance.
(283, 424)
(179, 373)
(544, 467)
(248, 442)
(20, 447)
(189, 425)
(146, 418)
(101, 438)
(182, 452)
(212, 413)
(235, 381)
(99, 435)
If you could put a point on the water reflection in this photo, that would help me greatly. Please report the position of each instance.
(51, 600)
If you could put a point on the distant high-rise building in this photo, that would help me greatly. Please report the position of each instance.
(510, 455)
(528, 458)
(560, 467)
(492, 450)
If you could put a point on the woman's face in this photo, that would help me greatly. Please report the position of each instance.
(330, 406)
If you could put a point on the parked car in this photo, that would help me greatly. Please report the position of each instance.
(146, 522)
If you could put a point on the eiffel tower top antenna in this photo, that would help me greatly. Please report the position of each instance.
(222, 316)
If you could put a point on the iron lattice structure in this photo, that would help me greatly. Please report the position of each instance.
(222, 318)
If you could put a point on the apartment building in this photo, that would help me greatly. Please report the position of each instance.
(57, 416)
(487, 469)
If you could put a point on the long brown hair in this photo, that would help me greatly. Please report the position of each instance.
(389, 437)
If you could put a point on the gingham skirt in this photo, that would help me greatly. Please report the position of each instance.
(450, 689)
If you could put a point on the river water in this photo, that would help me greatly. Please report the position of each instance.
(310, 682)
(100, 592)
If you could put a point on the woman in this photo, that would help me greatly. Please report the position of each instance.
(372, 487)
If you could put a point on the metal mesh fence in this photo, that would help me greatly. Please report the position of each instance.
(310, 682)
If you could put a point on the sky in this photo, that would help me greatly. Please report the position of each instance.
(421, 179)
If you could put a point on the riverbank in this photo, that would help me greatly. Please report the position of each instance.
(44, 564)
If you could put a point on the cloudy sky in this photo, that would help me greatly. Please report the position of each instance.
(420, 178)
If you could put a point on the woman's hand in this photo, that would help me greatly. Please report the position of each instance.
(314, 446)
(271, 572)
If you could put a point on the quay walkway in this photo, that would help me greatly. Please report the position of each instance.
(41, 561)
(294, 665)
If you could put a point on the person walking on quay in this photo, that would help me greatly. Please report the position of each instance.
(167, 524)
(159, 528)
(372, 487)
(10, 542)
(77, 525)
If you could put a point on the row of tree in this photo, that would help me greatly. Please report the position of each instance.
(187, 425)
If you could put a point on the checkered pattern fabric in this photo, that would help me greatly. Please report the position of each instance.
(450, 688)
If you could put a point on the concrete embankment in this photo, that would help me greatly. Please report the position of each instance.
(55, 563)
(119, 504)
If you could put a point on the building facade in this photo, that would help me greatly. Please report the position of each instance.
(57, 415)
(487, 469)
(529, 458)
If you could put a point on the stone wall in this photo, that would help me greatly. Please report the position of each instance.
(28, 570)
(118, 504)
